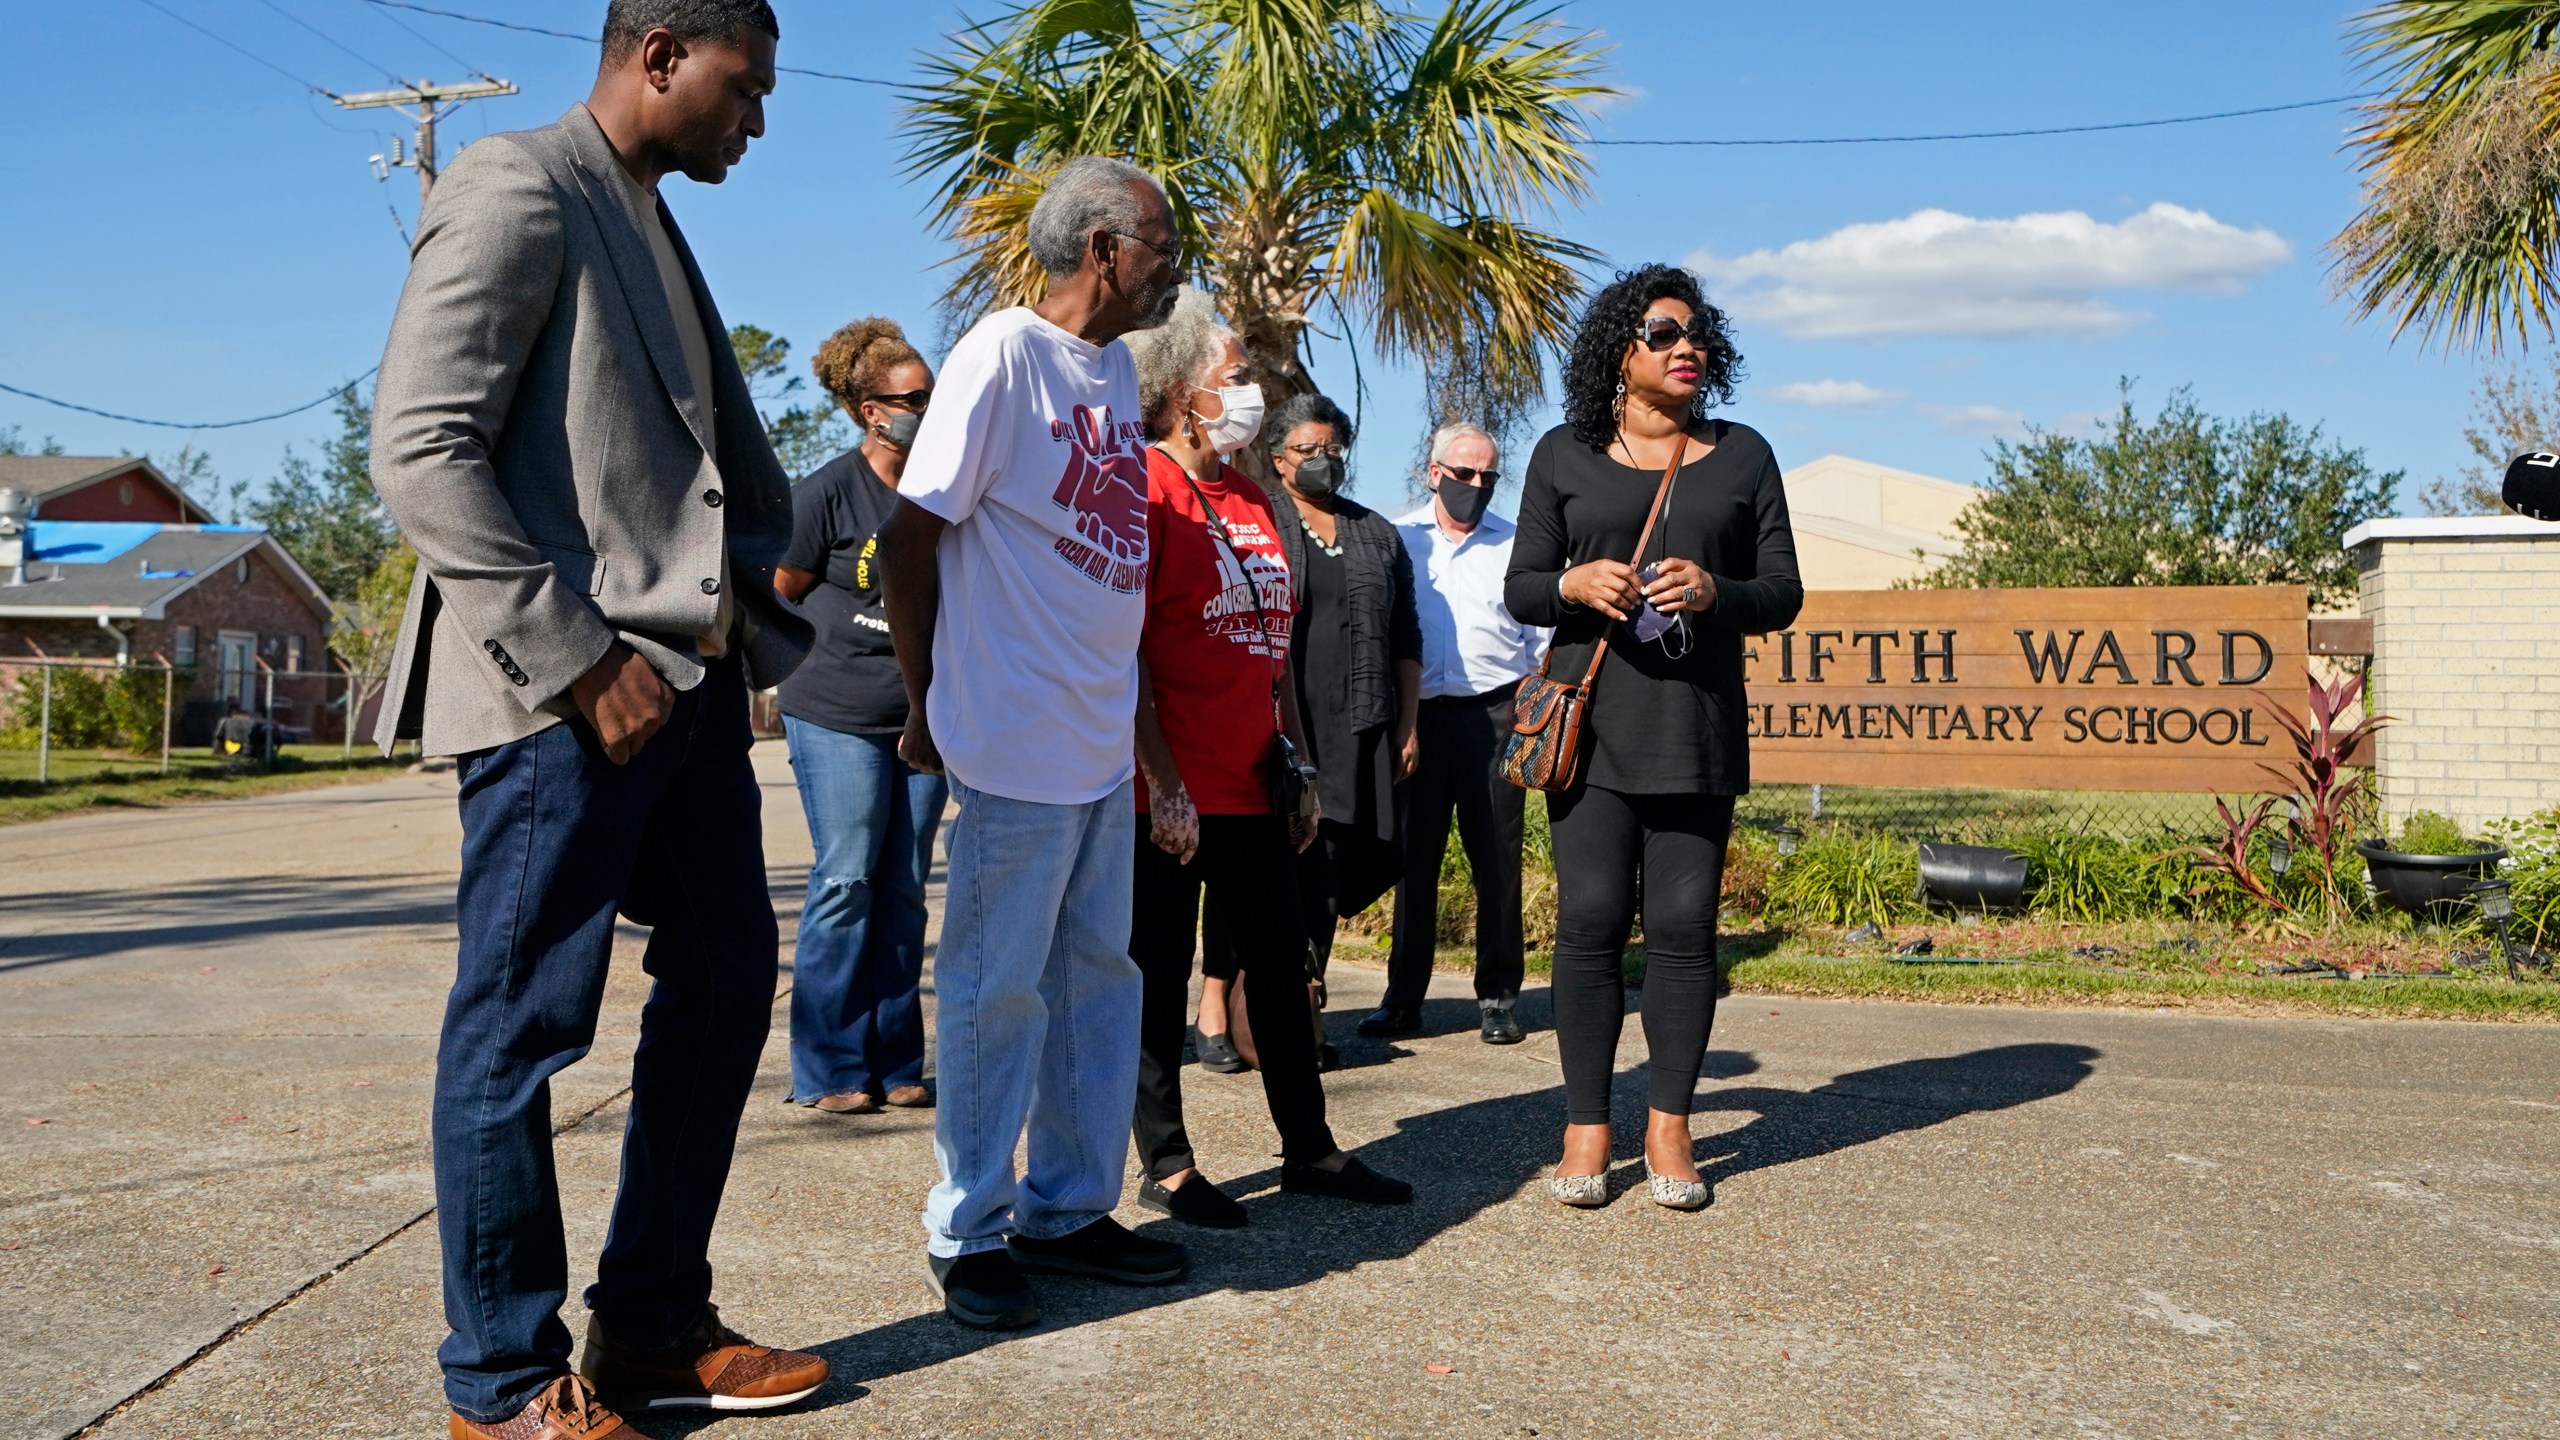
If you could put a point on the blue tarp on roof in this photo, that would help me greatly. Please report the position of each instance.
(85, 542)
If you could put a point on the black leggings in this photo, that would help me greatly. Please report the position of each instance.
(1604, 843)
(1248, 870)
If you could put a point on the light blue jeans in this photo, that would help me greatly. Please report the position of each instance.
(856, 1020)
(1035, 1019)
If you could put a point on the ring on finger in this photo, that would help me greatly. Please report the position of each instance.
(1689, 593)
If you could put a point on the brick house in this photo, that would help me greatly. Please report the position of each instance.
(125, 567)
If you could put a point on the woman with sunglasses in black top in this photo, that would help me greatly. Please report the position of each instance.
(1664, 748)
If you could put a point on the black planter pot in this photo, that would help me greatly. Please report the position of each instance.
(2431, 887)
(1971, 877)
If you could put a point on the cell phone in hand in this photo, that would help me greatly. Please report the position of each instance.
(1648, 622)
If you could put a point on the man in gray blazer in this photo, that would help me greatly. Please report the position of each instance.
(563, 434)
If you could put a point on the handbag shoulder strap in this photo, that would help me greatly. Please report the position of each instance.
(1261, 617)
(1600, 651)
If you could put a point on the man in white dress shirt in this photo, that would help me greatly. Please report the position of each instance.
(1474, 656)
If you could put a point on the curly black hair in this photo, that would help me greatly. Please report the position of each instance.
(1609, 322)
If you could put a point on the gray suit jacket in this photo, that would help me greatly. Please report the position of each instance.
(538, 439)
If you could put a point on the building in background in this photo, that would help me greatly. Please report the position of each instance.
(123, 567)
(1864, 526)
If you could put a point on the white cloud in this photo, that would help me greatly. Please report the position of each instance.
(1832, 394)
(1935, 272)
(1990, 420)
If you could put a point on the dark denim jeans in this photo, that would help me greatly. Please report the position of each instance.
(857, 1022)
(555, 840)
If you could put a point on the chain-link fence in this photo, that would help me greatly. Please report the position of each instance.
(76, 719)
(1980, 815)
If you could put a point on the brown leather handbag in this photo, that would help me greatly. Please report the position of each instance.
(1544, 751)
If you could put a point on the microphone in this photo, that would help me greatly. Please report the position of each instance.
(2533, 485)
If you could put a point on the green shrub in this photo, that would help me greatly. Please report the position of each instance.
(2532, 873)
(2429, 833)
(2077, 876)
(1842, 877)
(92, 708)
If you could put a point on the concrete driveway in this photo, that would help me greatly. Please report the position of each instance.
(1929, 1221)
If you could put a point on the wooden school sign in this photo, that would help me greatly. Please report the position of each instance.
(2153, 688)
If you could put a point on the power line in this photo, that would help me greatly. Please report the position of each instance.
(228, 45)
(2012, 134)
(594, 40)
(424, 39)
(328, 39)
(334, 392)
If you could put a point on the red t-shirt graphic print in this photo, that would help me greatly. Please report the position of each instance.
(1210, 660)
(1104, 486)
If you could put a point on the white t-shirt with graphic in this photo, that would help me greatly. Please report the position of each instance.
(1034, 452)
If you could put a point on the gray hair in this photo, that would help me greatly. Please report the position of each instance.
(1170, 355)
(1455, 431)
(691, 21)
(1088, 193)
(1308, 409)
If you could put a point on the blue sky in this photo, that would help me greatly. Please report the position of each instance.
(193, 236)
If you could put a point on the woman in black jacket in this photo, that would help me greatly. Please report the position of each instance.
(1358, 653)
(1664, 748)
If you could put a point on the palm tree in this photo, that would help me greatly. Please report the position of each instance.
(2460, 235)
(1328, 159)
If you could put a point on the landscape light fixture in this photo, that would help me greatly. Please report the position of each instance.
(2498, 906)
(2279, 855)
(1790, 839)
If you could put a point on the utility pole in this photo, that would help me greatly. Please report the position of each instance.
(426, 95)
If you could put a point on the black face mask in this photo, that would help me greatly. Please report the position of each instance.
(1465, 503)
(1318, 476)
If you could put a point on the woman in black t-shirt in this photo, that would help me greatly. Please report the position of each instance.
(1664, 745)
(857, 1023)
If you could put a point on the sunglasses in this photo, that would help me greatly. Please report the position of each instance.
(905, 400)
(1466, 475)
(1662, 332)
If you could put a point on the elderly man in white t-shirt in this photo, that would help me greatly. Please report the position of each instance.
(1474, 656)
(1017, 561)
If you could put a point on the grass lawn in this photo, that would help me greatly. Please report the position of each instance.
(2142, 967)
(85, 778)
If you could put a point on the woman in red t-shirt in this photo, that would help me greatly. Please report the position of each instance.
(1214, 695)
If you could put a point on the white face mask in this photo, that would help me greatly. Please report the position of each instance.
(1235, 426)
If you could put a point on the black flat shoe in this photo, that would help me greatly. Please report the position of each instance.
(984, 1290)
(1328, 1058)
(1354, 1181)
(1389, 1020)
(1104, 1250)
(1501, 1027)
(1218, 1053)
(1196, 1202)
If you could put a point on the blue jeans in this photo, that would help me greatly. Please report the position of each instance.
(857, 1022)
(555, 840)
(1036, 1017)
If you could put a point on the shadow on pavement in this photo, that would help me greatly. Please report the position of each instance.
(1464, 1160)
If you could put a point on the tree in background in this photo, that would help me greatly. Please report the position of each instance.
(2510, 415)
(327, 516)
(803, 436)
(2459, 237)
(12, 444)
(2184, 499)
(1342, 159)
(365, 629)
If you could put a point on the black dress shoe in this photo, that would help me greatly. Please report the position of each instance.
(1104, 1250)
(1389, 1020)
(1218, 1053)
(1328, 1058)
(1354, 1181)
(984, 1290)
(1501, 1027)
(1195, 1202)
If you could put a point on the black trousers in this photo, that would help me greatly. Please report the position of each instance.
(1247, 868)
(1343, 872)
(1461, 742)
(1606, 843)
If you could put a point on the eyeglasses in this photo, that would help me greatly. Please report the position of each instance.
(1172, 258)
(914, 400)
(1466, 476)
(1661, 332)
(1309, 452)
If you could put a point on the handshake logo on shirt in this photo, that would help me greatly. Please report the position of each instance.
(1104, 488)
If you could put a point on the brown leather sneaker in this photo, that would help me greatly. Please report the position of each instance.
(911, 1097)
(714, 1368)
(848, 1102)
(565, 1410)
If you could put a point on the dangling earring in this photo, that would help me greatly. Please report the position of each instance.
(1618, 403)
